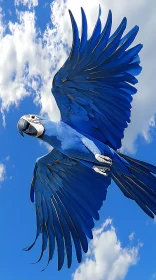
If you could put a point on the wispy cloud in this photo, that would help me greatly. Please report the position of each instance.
(154, 275)
(107, 259)
(2, 172)
(131, 236)
(7, 158)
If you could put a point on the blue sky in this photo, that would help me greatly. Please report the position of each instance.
(34, 42)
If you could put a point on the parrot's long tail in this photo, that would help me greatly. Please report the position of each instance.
(139, 185)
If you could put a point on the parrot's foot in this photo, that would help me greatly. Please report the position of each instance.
(104, 159)
(102, 170)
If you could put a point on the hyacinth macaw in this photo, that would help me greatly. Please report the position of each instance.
(93, 91)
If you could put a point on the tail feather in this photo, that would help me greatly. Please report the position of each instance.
(141, 164)
(140, 185)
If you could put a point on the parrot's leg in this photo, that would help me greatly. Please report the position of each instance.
(105, 161)
(101, 169)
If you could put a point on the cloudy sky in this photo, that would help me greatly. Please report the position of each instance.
(35, 39)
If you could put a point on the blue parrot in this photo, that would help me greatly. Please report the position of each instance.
(93, 91)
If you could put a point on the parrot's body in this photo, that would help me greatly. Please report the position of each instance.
(93, 91)
(73, 143)
(83, 148)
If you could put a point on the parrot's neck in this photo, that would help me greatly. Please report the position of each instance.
(51, 133)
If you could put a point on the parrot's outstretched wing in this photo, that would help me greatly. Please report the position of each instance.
(93, 89)
(67, 197)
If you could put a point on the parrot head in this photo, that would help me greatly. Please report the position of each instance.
(30, 125)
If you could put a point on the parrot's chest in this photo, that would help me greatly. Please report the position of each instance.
(70, 142)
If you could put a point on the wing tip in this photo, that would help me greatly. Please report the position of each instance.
(71, 14)
(99, 10)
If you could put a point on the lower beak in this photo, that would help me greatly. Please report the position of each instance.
(22, 126)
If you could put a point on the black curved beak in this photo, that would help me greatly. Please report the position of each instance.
(22, 126)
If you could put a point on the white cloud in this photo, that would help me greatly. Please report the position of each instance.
(14, 56)
(30, 3)
(106, 259)
(2, 172)
(29, 61)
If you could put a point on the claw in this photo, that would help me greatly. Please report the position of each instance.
(103, 159)
(102, 170)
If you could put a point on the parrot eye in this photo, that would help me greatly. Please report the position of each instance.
(32, 117)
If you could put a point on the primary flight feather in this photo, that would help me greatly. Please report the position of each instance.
(93, 91)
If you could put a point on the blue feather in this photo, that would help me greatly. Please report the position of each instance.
(125, 42)
(84, 31)
(65, 231)
(76, 40)
(96, 32)
(113, 43)
(72, 221)
(103, 38)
